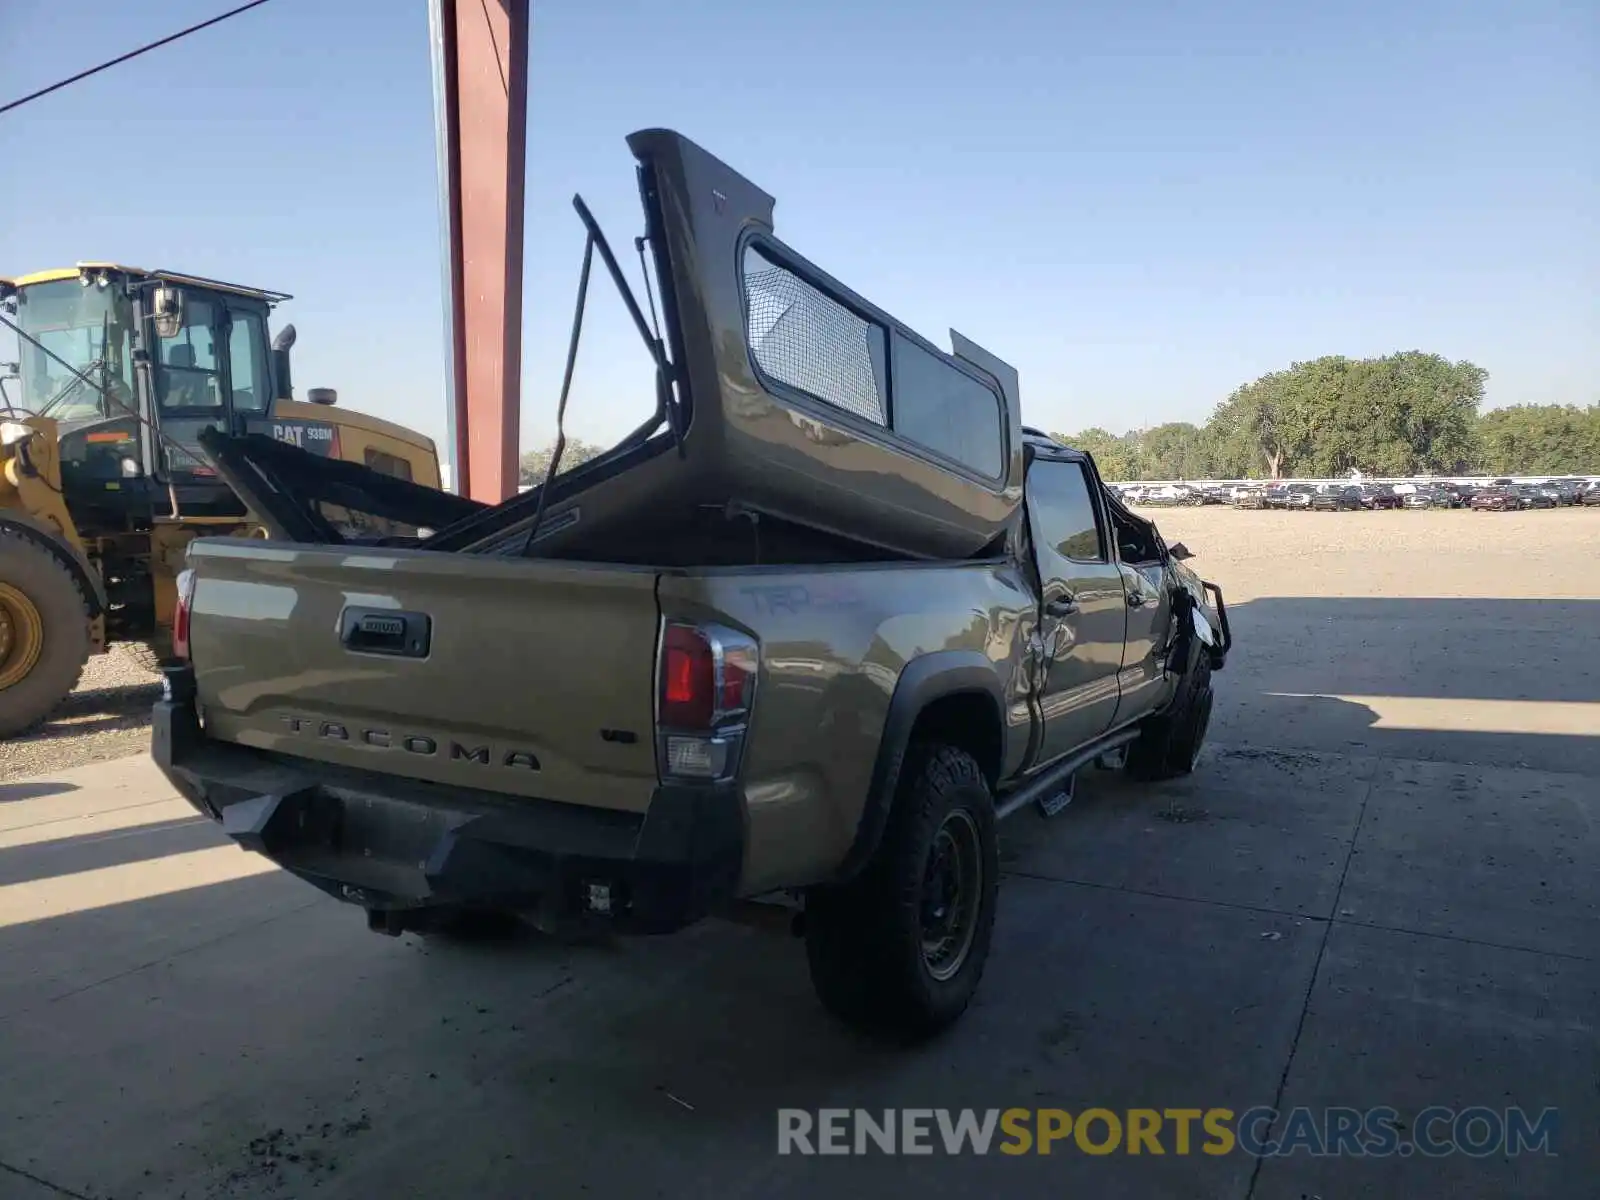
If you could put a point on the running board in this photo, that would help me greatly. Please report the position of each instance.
(1053, 778)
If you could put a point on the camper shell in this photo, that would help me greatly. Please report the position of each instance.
(794, 419)
(784, 396)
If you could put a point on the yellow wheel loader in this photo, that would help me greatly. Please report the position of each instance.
(102, 480)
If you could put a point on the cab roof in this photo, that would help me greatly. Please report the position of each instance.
(139, 274)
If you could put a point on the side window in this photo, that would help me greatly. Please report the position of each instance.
(1058, 493)
(946, 409)
(188, 366)
(803, 338)
(247, 341)
(1136, 542)
(388, 464)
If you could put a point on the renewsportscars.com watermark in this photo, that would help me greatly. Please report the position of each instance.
(1262, 1132)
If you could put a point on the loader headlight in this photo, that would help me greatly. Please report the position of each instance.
(12, 432)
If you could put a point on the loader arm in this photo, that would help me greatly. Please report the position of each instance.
(283, 484)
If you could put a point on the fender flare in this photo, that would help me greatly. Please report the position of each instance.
(922, 681)
(34, 530)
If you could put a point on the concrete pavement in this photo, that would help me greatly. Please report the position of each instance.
(1282, 928)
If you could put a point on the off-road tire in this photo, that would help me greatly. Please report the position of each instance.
(1169, 743)
(152, 654)
(64, 612)
(864, 938)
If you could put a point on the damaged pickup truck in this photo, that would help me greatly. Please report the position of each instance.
(807, 634)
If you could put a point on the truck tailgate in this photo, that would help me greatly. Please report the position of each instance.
(521, 676)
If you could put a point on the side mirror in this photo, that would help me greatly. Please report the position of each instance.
(1179, 551)
(167, 307)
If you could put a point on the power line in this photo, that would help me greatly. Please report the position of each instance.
(182, 33)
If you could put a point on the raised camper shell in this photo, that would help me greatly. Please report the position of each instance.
(797, 398)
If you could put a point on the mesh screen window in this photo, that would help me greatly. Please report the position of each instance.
(805, 339)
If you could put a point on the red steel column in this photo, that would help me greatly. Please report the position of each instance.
(480, 52)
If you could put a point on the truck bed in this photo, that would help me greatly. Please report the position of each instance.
(536, 679)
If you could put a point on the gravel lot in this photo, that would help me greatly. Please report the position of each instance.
(1252, 554)
(1448, 636)
(1550, 554)
(107, 717)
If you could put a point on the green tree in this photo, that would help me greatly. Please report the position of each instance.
(1111, 453)
(1403, 413)
(1409, 413)
(1176, 450)
(1262, 426)
(533, 464)
(1540, 439)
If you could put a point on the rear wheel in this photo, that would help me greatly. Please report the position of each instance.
(153, 654)
(44, 633)
(900, 950)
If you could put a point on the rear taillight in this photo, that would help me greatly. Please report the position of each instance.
(181, 614)
(705, 688)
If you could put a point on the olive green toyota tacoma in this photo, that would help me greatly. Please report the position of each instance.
(750, 653)
(425, 734)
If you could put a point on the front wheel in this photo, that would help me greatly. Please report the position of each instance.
(44, 633)
(1169, 743)
(900, 949)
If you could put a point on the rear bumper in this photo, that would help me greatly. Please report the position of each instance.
(391, 844)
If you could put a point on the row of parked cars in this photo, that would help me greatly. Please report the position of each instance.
(1499, 495)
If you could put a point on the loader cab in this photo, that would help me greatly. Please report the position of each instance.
(133, 364)
(210, 366)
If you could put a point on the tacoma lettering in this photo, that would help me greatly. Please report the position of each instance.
(423, 744)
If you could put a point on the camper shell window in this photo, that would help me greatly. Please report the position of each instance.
(804, 335)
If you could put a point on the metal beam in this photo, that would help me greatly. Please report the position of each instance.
(480, 87)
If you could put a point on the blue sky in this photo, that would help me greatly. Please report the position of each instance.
(1141, 204)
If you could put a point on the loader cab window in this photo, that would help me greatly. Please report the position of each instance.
(188, 374)
(87, 332)
(388, 464)
(247, 367)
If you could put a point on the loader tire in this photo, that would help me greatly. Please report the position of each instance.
(899, 950)
(44, 633)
